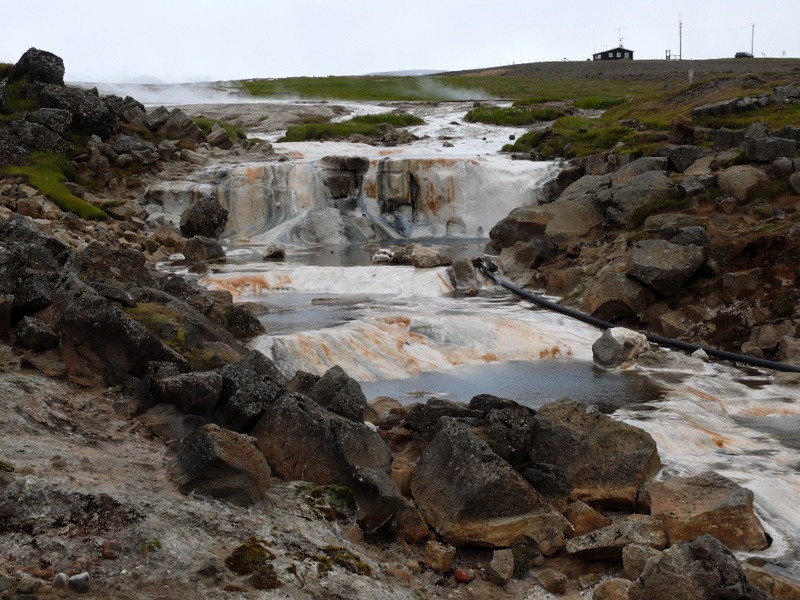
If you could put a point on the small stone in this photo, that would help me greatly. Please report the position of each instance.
(111, 549)
(273, 252)
(60, 580)
(501, 569)
(439, 557)
(612, 589)
(27, 585)
(209, 568)
(58, 462)
(464, 575)
(79, 583)
(552, 580)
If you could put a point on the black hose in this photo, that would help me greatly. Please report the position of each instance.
(656, 339)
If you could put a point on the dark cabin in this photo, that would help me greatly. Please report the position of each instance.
(614, 54)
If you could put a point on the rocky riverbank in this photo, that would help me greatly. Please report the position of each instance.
(147, 453)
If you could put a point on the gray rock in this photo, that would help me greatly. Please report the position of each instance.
(623, 202)
(614, 295)
(32, 137)
(177, 126)
(511, 430)
(635, 557)
(573, 221)
(35, 335)
(156, 118)
(664, 266)
(607, 461)
(618, 346)
(39, 66)
(740, 181)
(168, 423)
(551, 481)
(501, 567)
(691, 187)
(522, 224)
(193, 157)
(219, 463)
(242, 323)
(472, 497)
(425, 419)
(588, 184)
(794, 180)
(202, 249)
(126, 110)
(273, 252)
(681, 158)
(56, 120)
(768, 149)
(702, 569)
(302, 440)
(100, 263)
(219, 138)
(250, 386)
(3, 96)
(730, 107)
(90, 116)
(204, 217)
(637, 167)
(340, 394)
(692, 236)
(608, 542)
(518, 261)
(191, 393)
(725, 139)
(79, 583)
(424, 257)
(782, 167)
(128, 144)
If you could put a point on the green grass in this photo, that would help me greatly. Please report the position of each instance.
(18, 102)
(513, 116)
(598, 103)
(48, 172)
(234, 132)
(367, 125)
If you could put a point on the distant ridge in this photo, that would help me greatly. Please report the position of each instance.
(408, 73)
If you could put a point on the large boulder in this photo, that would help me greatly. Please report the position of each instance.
(472, 497)
(105, 338)
(523, 224)
(219, 463)
(340, 394)
(768, 149)
(303, 441)
(425, 419)
(586, 185)
(681, 158)
(624, 202)
(127, 110)
(574, 221)
(700, 569)
(509, 425)
(35, 335)
(618, 346)
(741, 181)
(111, 265)
(90, 115)
(614, 295)
(664, 266)
(518, 261)
(202, 249)
(190, 393)
(608, 542)
(39, 66)
(707, 503)
(607, 461)
(637, 167)
(32, 137)
(56, 120)
(250, 386)
(204, 217)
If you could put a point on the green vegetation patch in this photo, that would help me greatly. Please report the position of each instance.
(6, 467)
(366, 125)
(162, 321)
(48, 173)
(334, 502)
(337, 555)
(18, 101)
(234, 131)
(512, 116)
(249, 557)
(598, 103)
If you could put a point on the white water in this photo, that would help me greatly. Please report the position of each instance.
(396, 328)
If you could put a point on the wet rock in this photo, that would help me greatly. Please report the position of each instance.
(438, 557)
(707, 503)
(219, 463)
(664, 266)
(518, 261)
(190, 393)
(35, 335)
(242, 323)
(635, 557)
(470, 496)
(39, 66)
(424, 257)
(606, 460)
(462, 274)
(614, 295)
(302, 440)
(250, 385)
(701, 569)
(501, 567)
(204, 217)
(608, 542)
(203, 249)
(741, 181)
(584, 519)
(340, 394)
(618, 346)
(273, 252)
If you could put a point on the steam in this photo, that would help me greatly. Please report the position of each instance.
(176, 94)
(430, 87)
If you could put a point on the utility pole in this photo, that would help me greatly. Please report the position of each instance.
(680, 37)
(752, 37)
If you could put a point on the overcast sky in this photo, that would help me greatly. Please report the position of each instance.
(201, 40)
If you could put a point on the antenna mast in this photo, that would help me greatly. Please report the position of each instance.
(680, 37)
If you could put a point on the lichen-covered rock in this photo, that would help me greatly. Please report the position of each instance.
(219, 463)
(90, 115)
(340, 393)
(35, 335)
(303, 441)
(607, 461)
(470, 496)
(707, 503)
(39, 65)
(701, 569)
